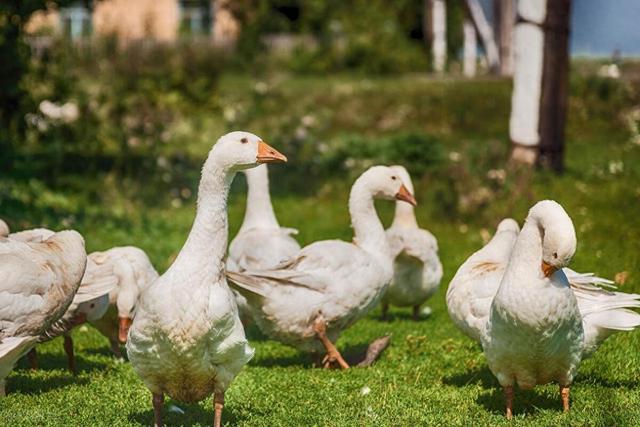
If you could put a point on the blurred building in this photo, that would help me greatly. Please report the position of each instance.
(162, 20)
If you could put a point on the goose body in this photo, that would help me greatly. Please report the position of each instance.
(416, 265)
(535, 325)
(186, 339)
(39, 281)
(328, 284)
(131, 271)
(261, 242)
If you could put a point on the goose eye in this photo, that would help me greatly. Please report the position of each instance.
(555, 254)
(244, 140)
(393, 178)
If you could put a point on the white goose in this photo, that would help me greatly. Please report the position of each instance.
(186, 339)
(132, 272)
(260, 242)
(307, 301)
(4, 229)
(38, 283)
(89, 303)
(417, 268)
(535, 319)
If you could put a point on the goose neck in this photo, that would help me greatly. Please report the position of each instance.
(259, 211)
(368, 230)
(206, 245)
(404, 216)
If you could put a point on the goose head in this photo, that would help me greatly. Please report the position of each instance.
(91, 310)
(508, 224)
(558, 235)
(243, 150)
(385, 183)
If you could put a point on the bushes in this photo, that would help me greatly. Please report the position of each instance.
(125, 102)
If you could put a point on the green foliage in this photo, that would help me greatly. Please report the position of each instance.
(431, 374)
(367, 36)
(104, 106)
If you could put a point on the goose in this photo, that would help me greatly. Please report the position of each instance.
(260, 242)
(39, 281)
(186, 339)
(4, 229)
(132, 271)
(417, 268)
(89, 303)
(308, 300)
(517, 298)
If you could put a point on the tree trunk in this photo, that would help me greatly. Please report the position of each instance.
(486, 33)
(540, 82)
(438, 34)
(504, 19)
(470, 48)
(555, 76)
(528, 44)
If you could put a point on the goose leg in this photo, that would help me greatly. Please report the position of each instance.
(115, 348)
(416, 313)
(32, 357)
(218, 405)
(508, 395)
(564, 394)
(333, 355)
(385, 311)
(158, 403)
(71, 358)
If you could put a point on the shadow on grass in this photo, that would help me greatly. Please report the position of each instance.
(481, 376)
(525, 402)
(27, 384)
(353, 355)
(597, 380)
(194, 414)
(48, 361)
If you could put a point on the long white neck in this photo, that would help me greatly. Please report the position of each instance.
(259, 212)
(206, 245)
(368, 230)
(404, 216)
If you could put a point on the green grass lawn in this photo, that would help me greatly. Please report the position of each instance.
(431, 374)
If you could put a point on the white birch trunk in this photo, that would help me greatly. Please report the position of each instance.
(504, 20)
(470, 51)
(527, 80)
(486, 33)
(439, 27)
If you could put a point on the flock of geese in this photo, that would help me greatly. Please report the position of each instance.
(535, 318)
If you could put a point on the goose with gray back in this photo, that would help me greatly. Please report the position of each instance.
(307, 301)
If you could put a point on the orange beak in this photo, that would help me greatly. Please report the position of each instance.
(78, 319)
(124, 323)
(404, 195)
(548, 269)
(268, 154)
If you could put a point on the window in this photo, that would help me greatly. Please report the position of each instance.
(75, 21)
(195, 17)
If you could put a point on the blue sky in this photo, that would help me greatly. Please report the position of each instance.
(598, 27)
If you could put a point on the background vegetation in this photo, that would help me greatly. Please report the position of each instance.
(110, 142)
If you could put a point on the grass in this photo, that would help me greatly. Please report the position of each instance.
(431, 373)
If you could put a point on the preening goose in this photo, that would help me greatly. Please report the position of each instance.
(186, 339)
(307, 301)
(260, 242)
(131, 270)
(417, 270)
(515, 297)
(39, 281)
